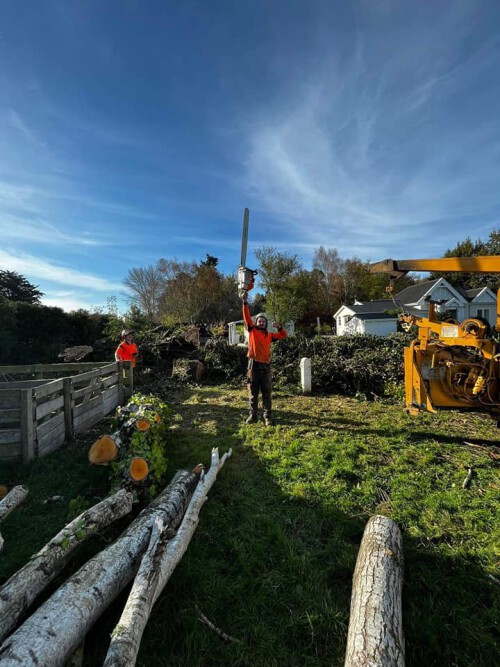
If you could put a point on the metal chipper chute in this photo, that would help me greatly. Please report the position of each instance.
(246, 276)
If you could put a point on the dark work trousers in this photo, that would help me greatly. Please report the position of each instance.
(259, 379)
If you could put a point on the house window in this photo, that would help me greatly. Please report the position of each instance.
(484, 313)
(346, 319)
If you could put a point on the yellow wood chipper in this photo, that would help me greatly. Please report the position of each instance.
(450, 364)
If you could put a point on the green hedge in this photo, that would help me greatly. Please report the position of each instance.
(349, 365)
(37, 334)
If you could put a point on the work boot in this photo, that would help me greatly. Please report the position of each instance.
(268, 421)
(252, 419)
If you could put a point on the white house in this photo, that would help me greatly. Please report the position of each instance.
(457, 303)
(372, 317)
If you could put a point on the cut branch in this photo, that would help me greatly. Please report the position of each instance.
(375, 637)
(155, 570)
(14, 498)
(223, 635)
(19, 592)
(70, 612)
(468, 478)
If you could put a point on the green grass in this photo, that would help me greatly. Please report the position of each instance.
(271, 562)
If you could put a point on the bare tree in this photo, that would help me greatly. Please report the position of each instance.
(147, 285)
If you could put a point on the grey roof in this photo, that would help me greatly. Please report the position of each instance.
(414, 293)
(373, 310)
(471, 293)
(372, 307)
(375, 316)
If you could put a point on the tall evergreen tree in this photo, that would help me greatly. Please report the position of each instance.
(15, 287)
(469, 248)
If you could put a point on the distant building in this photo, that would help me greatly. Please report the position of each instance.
(374, 317)
(370, 317)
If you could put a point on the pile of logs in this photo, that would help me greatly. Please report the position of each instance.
(136, 430)
(149, 550)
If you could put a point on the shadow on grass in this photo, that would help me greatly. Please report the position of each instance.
(275, 571)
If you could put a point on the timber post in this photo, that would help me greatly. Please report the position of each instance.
(121, 389)
(26, 423)
(68, 412)
(128, 378)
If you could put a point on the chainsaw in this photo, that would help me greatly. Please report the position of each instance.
(246, 276)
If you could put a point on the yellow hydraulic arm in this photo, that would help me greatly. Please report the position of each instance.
(484, 264)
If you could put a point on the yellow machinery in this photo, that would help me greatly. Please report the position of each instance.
(450, 364)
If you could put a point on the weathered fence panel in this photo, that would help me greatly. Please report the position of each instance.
(37, 415)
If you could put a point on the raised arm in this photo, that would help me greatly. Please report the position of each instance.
(280, 333)
(246, 315)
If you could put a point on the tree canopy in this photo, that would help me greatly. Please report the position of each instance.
(469, 248)
(15, 287)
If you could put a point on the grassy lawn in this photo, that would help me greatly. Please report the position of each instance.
(272, 560)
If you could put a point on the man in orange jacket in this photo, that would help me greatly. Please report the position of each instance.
(127, 350)
(259, 362)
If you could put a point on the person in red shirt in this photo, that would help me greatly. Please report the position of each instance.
(259, 362)
(127, 350)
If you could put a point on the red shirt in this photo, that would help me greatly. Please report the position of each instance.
(259, 340)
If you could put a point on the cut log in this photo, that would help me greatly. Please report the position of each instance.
(375, 637)
(54, 631)
(19, 592)
(75, 353)
(105, 449)
(157, 565)
(14, 498)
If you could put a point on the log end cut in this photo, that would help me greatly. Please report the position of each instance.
(103, 450)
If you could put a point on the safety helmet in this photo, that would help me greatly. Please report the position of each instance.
(126, 332)
(263, 315)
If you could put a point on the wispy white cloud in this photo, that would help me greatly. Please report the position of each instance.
(37, 269)
(373, 154)
(43, 232)
(18, 123)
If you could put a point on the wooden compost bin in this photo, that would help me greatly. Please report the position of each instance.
(38, 414)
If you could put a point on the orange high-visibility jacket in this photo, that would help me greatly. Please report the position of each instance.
(259, 342)
(126, 352)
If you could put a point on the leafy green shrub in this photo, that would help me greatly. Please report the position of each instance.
(224, 362)
(150, 445)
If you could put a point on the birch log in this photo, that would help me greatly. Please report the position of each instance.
(375, 637)
(54, 631)
(14, 498)
(155, 570)
(19, 592)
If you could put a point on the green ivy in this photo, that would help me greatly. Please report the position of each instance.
(151, 445)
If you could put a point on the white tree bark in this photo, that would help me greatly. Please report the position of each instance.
(54, 631)
(19, 592)
(155, 570)
(375, 637)
(14, 498)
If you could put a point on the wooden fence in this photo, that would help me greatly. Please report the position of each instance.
(38, 414)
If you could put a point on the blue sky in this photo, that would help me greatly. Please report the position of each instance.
(132, 130)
